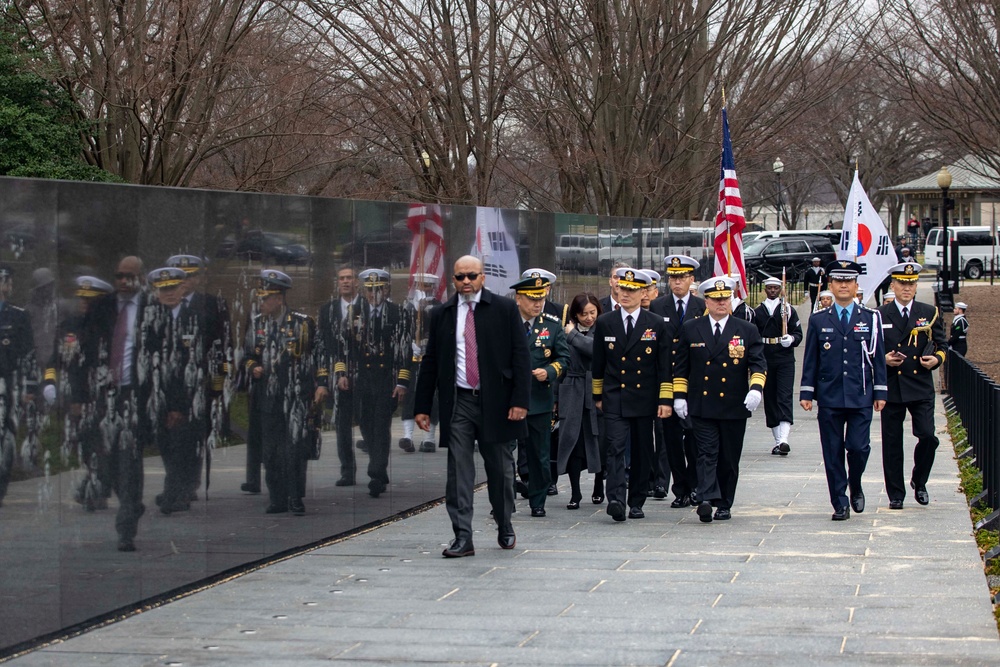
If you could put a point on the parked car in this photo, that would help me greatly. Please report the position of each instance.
(267, 247)
(794, 254)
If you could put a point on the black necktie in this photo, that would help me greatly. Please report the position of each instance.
(906, 313)
(843, 319)
(527, 328)
(628, 327)
(680, 310)
(718, 331)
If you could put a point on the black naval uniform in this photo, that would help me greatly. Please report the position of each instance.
(17, 361)
(681, 448)
(959, 334)
(333, 333)
(816, 282)
(780, 361)
(843, 370)
(376, 360)
(285, 347)
(714, 375)
(548, 349)
(632, 378)
(911, 389)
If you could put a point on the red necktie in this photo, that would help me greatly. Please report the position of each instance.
(471, 350)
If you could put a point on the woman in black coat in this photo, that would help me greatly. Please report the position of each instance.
(578, 446)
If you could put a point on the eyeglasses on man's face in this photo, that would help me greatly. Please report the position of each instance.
(462, 277)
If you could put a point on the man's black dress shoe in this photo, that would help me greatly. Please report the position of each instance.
(694, 498)
(920, 493)
(553, 490)
(682, 501)
(275, 508)
(573, 505)
(723, 514)
(344, 481)
(406, 444)
(175, 506)
(250, 488)
(506, 539)
(636, 513)
(537, 511)
(428, 447)
(462, 546)
(781, 449)
(521, 488)
(858, 502)
(126, 544)
(895, 504)
(616, 510)
(362, 446)
(842, 514)
(705, 512)
(296, 506)
(659, 492)
(597, 498)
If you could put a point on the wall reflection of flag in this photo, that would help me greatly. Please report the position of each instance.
(495, 270)
(498, 241)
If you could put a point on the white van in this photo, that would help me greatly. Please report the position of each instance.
(976, 249)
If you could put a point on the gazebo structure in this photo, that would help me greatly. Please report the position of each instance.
(975, 187)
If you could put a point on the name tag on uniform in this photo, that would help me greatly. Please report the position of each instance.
(609, 339)
(826, 330)
(697, 345)
(887, 325)
(861, 327)
(666, 319)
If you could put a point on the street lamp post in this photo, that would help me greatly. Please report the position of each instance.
(778, 168)
(944, 296)
(805, 214)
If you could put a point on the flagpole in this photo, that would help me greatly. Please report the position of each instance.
(725, 214)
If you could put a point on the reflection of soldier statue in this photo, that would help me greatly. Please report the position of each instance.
(377, 355)
(66, 378)
(281, 359)
(419, 304)
(17, 373)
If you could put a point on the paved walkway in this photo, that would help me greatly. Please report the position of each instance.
(778, 584)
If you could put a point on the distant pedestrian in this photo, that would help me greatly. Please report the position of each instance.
(959, 330)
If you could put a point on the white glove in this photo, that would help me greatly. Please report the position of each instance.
(752, 400)
(416, 349)
(49, 393)
(786, 340)
(681, 407)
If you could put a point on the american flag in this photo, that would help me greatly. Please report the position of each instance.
(729, 221)
(427, 249)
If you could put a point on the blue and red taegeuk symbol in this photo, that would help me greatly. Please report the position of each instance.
(864, 239)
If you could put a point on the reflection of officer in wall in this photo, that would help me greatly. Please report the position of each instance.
(378, 350)
(17, 362)
(284, 379)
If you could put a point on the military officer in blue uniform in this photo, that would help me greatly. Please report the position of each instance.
(779, 327)
(676, 307)
(549, 354)
(915, 345)
(719, 377)
(632, 387)
(286, 375)
(843, 368)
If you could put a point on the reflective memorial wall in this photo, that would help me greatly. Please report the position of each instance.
(131, 446)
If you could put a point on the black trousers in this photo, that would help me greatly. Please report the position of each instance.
(537, 455)
(682, 453)
(255, 448)
(813, 295)
(778, 393)
(284, 462)
(636, 433)
(343, 423)
(374, 409)
(125, 464)
(844, 431)
(660, 473)
(179, 448)
(720, 445)
(922, 420)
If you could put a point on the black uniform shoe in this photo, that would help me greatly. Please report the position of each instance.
(176, 506)
(537, 511)
(506, 539)
(636, 513)
(344, 481)
(781, 449)
(521, 488)
(462, 546)
(705, 512)
(682, 501)
(920, 493)
(362, 446)
(296, 506)
(573, 505)
(842, 514)
(126, 544)
(616, 510)
(428, 447)
(895, 504)
(553, 490)
(250, 488)
(659, 492)
(407, 445)
(723, 514)
(858, 502)
(275, 508)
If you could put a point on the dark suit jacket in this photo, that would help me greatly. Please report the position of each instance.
(631, 374)
(666, 307)
(715, 377)
(99, 326)
(606, 305)
(377, 351)
(504, 368)
(911, 381)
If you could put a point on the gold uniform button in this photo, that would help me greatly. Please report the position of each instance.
(623, 358)
(899, 372)
(623, 386)
(721, 394)
(623, 371)
(724, 364)
(638, 372)
(704, 393)
(708, 363)
(638, 358)
(638, 386)
(914, 371)
(723, 379)
(706, 377)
